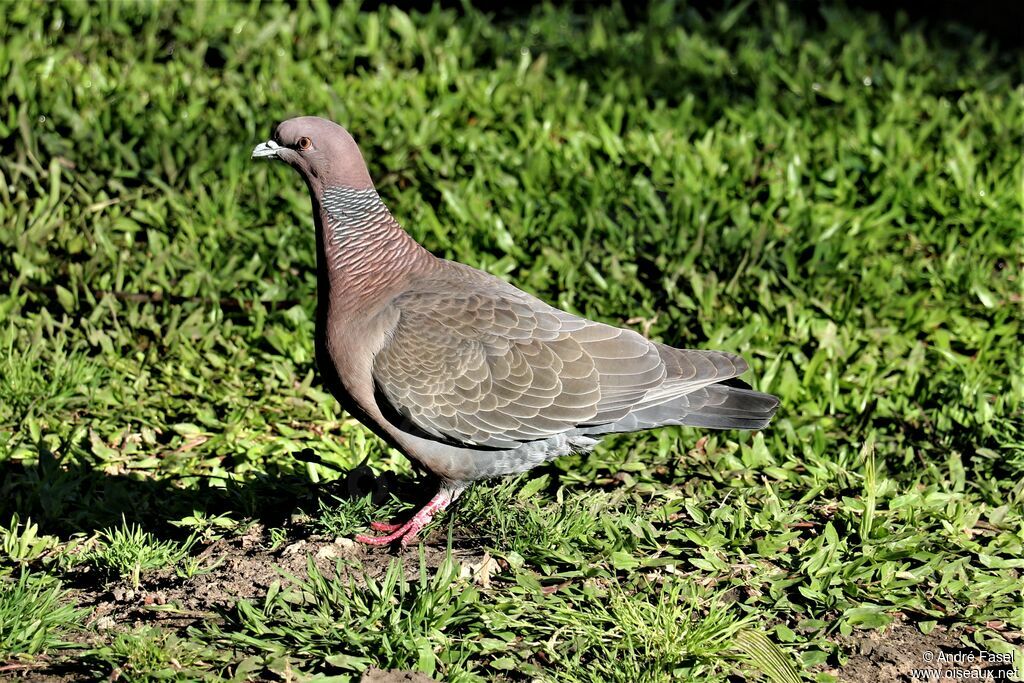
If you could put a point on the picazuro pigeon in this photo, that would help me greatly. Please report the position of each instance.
(462, 372)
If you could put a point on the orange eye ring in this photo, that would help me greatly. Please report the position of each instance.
(305, 143)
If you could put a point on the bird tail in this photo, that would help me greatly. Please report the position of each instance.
(729, 405)
(740, 409)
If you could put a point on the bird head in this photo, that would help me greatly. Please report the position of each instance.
(321, 151)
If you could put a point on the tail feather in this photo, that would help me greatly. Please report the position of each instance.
(718, 406)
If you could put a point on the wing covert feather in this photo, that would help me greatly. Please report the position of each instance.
(497, 368)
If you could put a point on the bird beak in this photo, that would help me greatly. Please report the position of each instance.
(266, 149)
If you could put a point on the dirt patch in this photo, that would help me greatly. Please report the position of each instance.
(375, 675)
(900, 653)
(240, 568)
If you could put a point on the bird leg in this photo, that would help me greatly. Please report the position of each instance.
(406, 533)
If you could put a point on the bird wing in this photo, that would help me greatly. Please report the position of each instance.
(489, 365)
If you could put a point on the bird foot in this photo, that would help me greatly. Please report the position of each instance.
(403, 533)
(406, 533)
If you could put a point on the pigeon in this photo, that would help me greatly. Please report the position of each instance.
(462, 372)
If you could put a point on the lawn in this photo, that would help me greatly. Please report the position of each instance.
(834, 194)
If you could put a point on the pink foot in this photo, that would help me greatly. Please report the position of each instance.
(406, 533)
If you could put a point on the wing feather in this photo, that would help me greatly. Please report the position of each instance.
(483, 363)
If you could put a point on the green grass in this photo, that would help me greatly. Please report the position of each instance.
(441, 622)
(346, 516)
(22, 543)
(34, 614)
(151, 654)
(126, 552)
(836, 196)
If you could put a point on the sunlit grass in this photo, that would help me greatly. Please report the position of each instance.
(832, 194)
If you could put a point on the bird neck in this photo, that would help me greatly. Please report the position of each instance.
(362, 251)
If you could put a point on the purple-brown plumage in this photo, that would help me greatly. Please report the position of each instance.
(464, 373)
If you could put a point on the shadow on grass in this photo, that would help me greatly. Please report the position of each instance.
(66, 497)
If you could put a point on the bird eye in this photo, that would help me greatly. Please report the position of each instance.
(305, 143)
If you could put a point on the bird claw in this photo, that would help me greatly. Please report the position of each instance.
(403, 533)
(406, 533)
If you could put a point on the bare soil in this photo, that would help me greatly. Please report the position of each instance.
(900, 653)
(243, 568)
(375, 675)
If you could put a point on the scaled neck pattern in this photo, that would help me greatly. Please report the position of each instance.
(365, 249)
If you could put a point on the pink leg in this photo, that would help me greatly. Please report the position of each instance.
(406, 533)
